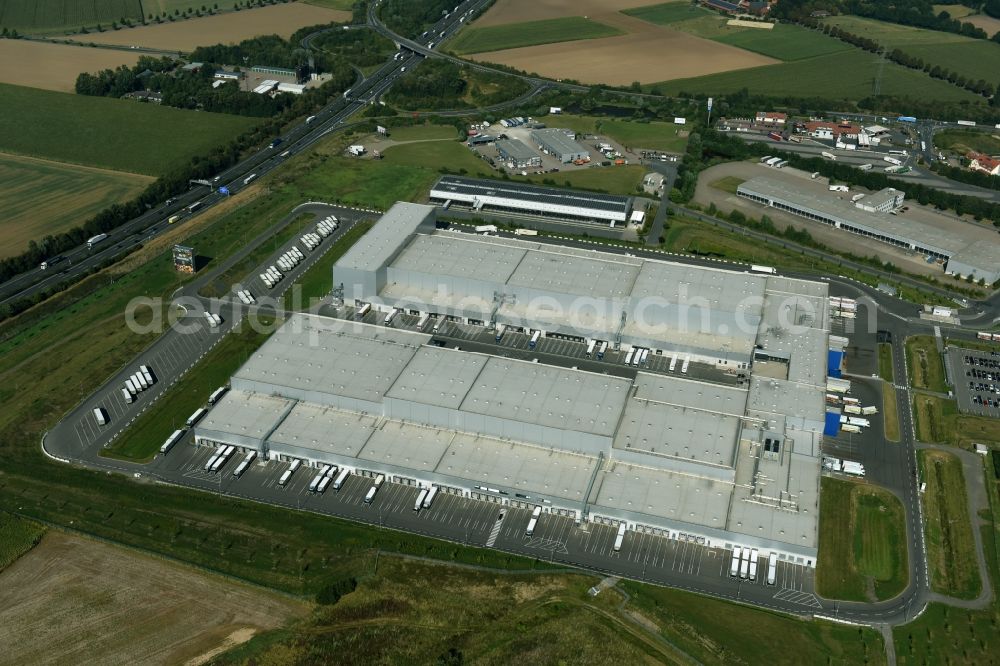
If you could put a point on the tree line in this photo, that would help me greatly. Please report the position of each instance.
(443, 84)
(916, 13)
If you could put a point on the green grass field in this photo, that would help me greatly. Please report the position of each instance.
(951, 554)
(938, 420)
(344, 5)
(317, 282)
(862, 546)
(156, 7)
(924, 364)
(890, 412)
(530, 33)
(143, 438)
(17, 537)
(612, 179)
(714, 632)
(684, 16)
(955, 11)
(40, 197)
(847, 75)
(885, 367)
(728, 184)
(633, 134)
(48, 16)
(422, 132)
(785, 42)
(962, 141)
(976, 58)
(109, 133)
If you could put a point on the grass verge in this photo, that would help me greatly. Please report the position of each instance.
(17, 537)
(925, 364)
(885, 367)
(142, 440)
(951, 554)
(890, 412)
(862, 546)
(222, 283)
(938, 420)
(728, 184)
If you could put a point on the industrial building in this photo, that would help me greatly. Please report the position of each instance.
(976, 253)
(560, 143)
(516, 155)
(720, 463)
(521, 198)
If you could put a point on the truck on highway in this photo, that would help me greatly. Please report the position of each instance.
(195, 206)
(763, 269)
(248, 179)
(486, 229)
(275, 142)
(48, 263)
(94, 240)
(967, 123)
(829, 156)
(173, 439)
(525, 232)
(310, 119)
(906, 119)
(774, 135)
(865, 167)
(892, 160)
(620, 537)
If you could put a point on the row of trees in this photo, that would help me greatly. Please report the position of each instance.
(917, 13)
(980, 87)
(977, 178)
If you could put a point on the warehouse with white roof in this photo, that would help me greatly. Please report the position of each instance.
(975, 253)
(521, 198)
(723, 464)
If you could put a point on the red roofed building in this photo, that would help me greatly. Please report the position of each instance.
(984, 163)
(770, 118)
(828, 129)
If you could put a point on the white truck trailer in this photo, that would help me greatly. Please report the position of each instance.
(620, 538)
(173, 439)
(431, 493)
(734, 565)
(100, 416)
(370, 495)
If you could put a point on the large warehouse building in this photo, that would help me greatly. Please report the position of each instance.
(513, 197)
(559, 143)
(976, 253)
(517, 155)
(722, 464)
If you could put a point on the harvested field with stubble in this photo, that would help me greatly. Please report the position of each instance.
(648, 53)
(71, 600)
(517, 11)
(41, 197)
(55, 66)
(227, 28)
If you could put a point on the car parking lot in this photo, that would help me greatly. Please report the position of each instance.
(976, 376)
(485, 520)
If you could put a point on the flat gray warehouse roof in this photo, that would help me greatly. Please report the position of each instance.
(557, 140)
(530, 193)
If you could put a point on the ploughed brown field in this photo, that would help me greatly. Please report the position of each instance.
(227, 28)
(648, 53)
(71, 600)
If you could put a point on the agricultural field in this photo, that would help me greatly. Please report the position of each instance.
(39, 17)
(847, 75)
(45, 65)
(40, 197)
(109, 133)
(938, 420)
(962, 141)
(231, 27)
(925, 364)
(652, 135)
(862, 544)
(503, 12)
(646, 52)
(343, 5)
(951, 554)
(974, 58)
(17, 537)
(125, 606)
(783, 42)
(514, 35)
(955, 11)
